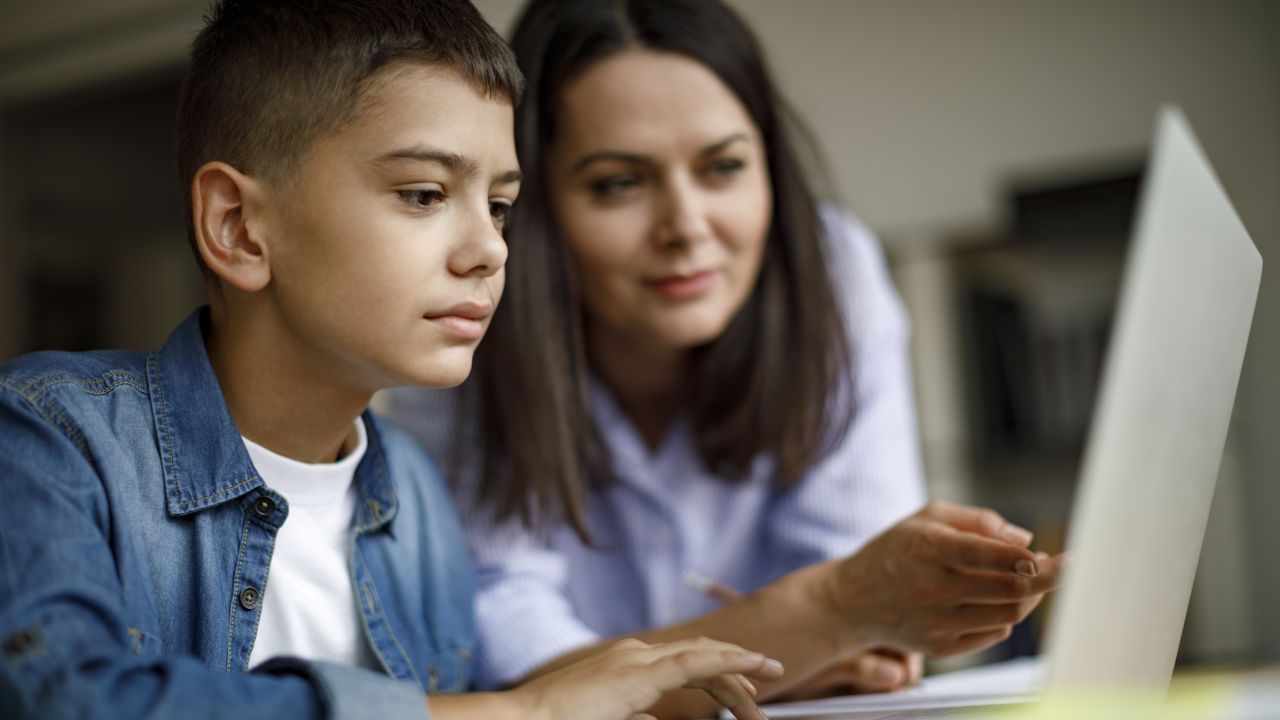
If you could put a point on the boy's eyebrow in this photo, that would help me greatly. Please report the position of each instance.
(638, 159)
(510, 177)
(451, 161)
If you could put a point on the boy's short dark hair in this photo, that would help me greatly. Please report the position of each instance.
(270, 77)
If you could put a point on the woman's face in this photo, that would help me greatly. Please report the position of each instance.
(659, 183)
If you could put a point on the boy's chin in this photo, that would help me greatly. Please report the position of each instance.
(444, 373)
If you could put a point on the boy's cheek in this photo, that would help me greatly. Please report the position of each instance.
(498, 284)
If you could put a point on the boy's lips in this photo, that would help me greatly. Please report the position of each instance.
(466, 320)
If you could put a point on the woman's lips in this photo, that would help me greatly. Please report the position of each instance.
(683, 287)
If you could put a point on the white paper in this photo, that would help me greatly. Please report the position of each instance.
(996, 684)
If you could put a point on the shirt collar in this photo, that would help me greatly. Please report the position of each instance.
(205, 462)
(378, 504)
(631, 459)
(202, 454)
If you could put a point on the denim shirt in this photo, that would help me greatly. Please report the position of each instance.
(136, 536)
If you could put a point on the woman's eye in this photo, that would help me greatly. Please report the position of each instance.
(500, 210)
(614, 185)
(726, 168)
(421, 198)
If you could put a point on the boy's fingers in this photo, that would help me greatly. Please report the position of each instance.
(703, 644)
(980, 521)
(770, 669)
(730, 693)
(687, 665)
(746, 684)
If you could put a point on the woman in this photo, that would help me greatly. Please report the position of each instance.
(698, 368)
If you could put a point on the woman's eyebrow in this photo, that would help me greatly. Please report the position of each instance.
(614, 155)
(640, 159)
(716, 147)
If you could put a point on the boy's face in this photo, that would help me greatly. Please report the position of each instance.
(386, 250)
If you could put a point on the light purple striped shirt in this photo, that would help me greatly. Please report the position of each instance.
(541, 595)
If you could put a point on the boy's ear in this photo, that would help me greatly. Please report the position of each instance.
(227, 233)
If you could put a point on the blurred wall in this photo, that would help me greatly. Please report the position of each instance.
(927, 109)
(10, 264)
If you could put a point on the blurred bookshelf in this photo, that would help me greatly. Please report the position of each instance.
(1010, 327)
(1035, 313)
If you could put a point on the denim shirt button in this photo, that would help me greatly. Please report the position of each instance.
(264, 506)
(249, 598)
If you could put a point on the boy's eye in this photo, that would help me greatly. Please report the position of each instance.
(420, 197)
(500, 210)
(614, 185)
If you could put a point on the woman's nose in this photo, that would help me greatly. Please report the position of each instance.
(683, 217)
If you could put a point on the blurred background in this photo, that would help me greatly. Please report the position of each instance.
(996, 146)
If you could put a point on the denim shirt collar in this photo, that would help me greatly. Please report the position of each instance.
(203, 456)
(378, 504)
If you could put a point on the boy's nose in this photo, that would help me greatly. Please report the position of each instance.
(482, 251)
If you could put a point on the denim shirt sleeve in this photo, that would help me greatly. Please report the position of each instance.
(65, 648)
(347, 692)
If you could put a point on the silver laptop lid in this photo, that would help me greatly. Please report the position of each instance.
(1158, 429)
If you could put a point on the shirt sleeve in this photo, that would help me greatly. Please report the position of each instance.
(65, 648)
(873, 476)
(524, 616)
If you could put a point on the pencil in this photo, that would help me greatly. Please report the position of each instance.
(713, 589)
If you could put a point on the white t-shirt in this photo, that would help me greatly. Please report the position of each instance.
(309, 604)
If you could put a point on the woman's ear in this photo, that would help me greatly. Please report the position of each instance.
(229, 242)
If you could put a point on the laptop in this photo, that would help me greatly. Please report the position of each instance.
(1151, 461)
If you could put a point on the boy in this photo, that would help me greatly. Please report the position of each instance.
(220, 527)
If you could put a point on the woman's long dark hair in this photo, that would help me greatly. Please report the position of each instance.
(774, 383)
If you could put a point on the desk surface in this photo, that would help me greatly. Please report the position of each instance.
(1229, 693)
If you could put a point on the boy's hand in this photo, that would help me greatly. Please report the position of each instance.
(947, 580)
(621, 682)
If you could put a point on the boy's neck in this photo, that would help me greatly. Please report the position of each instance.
(277, 395)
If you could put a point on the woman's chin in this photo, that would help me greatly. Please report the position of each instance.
(686, 336)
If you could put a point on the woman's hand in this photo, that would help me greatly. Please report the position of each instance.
(947, 580)
(879, 670)
(628, 677)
